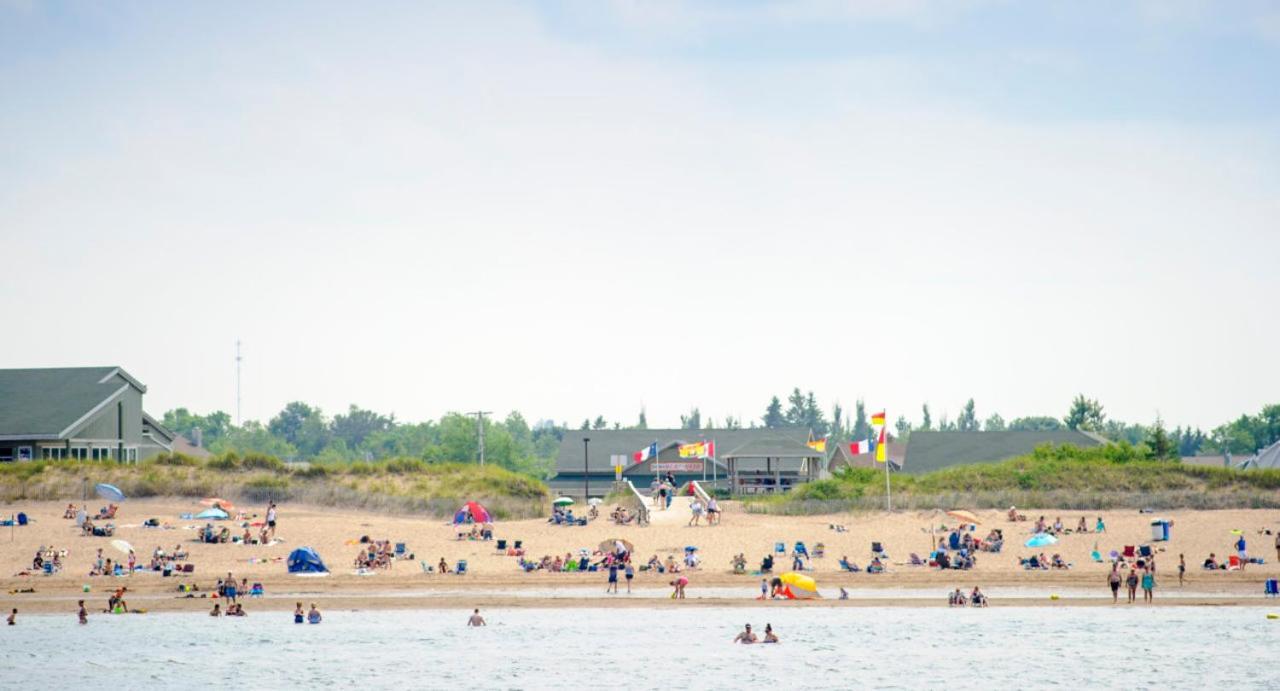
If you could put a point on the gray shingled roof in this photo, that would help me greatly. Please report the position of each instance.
(928, 451)
(605, 443)
(1266, 458)
(42, 403)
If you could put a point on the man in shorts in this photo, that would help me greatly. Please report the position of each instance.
(271, 519)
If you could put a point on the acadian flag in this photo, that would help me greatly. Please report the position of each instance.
(858, 448)
(645, 454)
(877, 419)
(819, 445)
(882, 444)
(701, 449)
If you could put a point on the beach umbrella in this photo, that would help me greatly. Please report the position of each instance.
(1237, 531)
(213, 513)
(108, 492)
(1042, 540)
(608, 545)
(966, 516)
(122, 546)
(799, 586)
(479, 514)
(594, 501)
(218, 502)
(562, 501)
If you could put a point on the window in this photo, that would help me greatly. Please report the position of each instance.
(79, 453)
(53, 453)
(100, 454)
(24, 453)
(131, 454)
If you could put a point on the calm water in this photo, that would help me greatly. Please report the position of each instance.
(1170, 647)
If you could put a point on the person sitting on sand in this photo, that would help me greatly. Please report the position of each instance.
(769, 635)
(977, 598)
(313, 617)
(844, 594)
(766, 564)
(1100, 527)
(443, 567)
(746, 637)
(70, 512)
(956, 598)
(876, 566)
(1057, 526)
(1014, 516)
(1041, 525)
(1211, 563)
(672, 566)
(1058, 563)
(739, 563)
(1083, 527)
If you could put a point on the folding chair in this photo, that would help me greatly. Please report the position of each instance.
(400, 549)
(1145, 551)
(1129, 552)
(502, 545)
(256, 591)
(1271, 588)
(462, 567)
(1234, 563)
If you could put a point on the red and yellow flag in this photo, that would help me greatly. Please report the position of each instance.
(877, 419)
(882, 445)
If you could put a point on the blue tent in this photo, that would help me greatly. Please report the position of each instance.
(213, 513)
(305, 560)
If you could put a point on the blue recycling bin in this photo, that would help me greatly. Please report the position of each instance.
(1160, 529)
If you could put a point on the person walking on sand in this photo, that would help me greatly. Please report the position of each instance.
(695, 508)
(1114, 581)
(83, 614)
(1278, 545)
(1132, 582)
(613, 578)
(476, 619)
(1148, 585)
(271, 519)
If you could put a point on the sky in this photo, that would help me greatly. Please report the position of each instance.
(589, 208)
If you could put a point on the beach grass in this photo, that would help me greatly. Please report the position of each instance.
(1064, 476)
(396, 485)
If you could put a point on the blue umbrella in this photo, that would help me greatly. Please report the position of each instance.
(109, 492)
(1042, 540)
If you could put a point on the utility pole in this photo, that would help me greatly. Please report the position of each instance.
(480, 429)
(238, 358)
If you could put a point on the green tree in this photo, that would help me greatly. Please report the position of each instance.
(814, 419)
(1035, 423)
(358, 423)
(213, 426)
(926, 422)
(994, 423)
(861, 428)
(1160, 446)
(1085, 413)
(643, 422)
(691, 421)
(599, 423)
(302, 426)
(968, 418)
(773, 416)
(254, 437)
(903, 428)
(796, 408)
(731, 422)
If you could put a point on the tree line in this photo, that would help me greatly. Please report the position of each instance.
(302, 431)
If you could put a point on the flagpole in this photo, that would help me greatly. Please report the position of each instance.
(888, 502)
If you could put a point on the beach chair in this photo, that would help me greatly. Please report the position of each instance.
(1271, 588)
(48, 568)
(1129, 553)
(256, 590)
(518, 545)
(426, 568)
(877, 550)
(501, 546)
(1145, 551)
(462, 567)
(401, 550)
(916, 560)
(819, 551)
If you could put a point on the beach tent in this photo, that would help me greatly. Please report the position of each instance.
(797, 586)
(213, 514)
(305, 560)
(109, 492)
(1042, 540)
(479, 514)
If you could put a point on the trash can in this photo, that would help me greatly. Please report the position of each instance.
(1160, 529)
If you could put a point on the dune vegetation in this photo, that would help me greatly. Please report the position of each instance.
(1067, 477)
(395, 485)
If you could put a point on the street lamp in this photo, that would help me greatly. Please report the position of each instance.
(586, 476)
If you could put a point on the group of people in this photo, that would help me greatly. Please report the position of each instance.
(976, 598)
(561, 515)
(621, 516)
(663, 490)
(1147, 580)
(1039, 562)
(711, 509)
(376, 554)
(1057, 528)
(234, 609)
(311, 617)
(50, 556)
(748, 636)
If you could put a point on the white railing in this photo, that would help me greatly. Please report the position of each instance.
(642, 504)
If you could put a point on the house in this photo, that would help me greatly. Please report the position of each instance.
(83, 413)
(928, 451)
(798, 462)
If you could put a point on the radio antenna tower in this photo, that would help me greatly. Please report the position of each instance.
(238, 359)
(480, 429)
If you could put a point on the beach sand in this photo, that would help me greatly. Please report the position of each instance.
(333, 534)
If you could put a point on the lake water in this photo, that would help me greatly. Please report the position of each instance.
(897, 647)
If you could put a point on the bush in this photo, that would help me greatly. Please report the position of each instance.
(173, 459)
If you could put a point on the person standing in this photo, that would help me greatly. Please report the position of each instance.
(713, 517)
(1148, 585)
(1114, 581)
(613, 578)
(313, 617)
(662, 496)
(476, 619)
(83, 614)
(630, 573)
(1241, 551)
(1182, 568)
(271, 519)
(1132, 582)
(695, 508)
(299, 616)
(13, 617)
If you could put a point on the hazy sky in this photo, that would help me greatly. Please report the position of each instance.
(581, 208)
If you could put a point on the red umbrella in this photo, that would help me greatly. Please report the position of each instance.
(479, 514)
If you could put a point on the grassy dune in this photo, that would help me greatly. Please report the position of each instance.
(394, 485)
(1065, 477)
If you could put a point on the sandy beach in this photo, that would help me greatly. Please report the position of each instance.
(495, 580)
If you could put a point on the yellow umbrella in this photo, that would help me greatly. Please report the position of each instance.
(1237, 531)
(799, 586)
(966, 516)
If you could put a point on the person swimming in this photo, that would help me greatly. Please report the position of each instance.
(769, 635)
(313, 617)
(476, 619)
(298, 615)
(746, 636)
